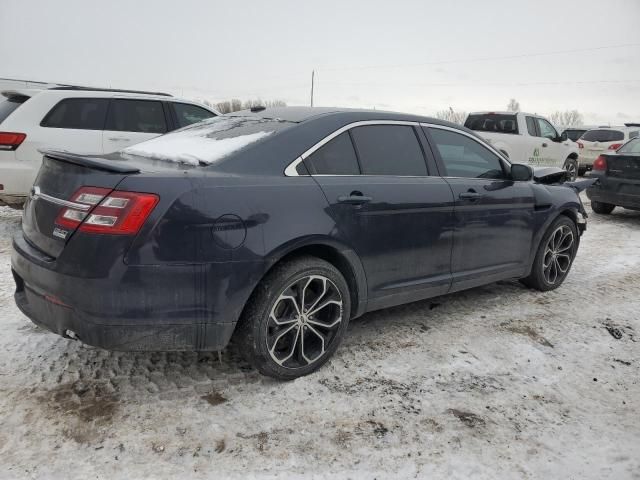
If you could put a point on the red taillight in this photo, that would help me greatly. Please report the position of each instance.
(119, 213)
(600, 163)
(11, 140)
(615, 146)
(580, 145)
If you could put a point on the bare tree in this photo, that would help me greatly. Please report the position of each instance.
(452, 116)
(568, 118)
(235, 104)
(513, 106)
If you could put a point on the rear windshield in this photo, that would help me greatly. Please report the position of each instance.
(492, 122)
(632, 146)
(574, 134)
(209, 141)
(8, 105)
(603, 136)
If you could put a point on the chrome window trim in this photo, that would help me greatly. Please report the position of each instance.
(290, 171)
(37, 193)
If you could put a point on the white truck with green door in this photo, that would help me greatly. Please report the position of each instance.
(526, 138)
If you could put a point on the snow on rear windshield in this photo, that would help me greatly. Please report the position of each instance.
(206, 142)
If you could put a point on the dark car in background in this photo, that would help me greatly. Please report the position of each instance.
(280, 225)
(618, 173)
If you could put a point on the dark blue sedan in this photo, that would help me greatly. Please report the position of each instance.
(278, 226)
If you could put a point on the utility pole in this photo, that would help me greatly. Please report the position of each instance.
(313, 74)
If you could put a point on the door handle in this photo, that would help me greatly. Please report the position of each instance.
(119, 139)
(356, 198)
(470, 196)
(545, 145)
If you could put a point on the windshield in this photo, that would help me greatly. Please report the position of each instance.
(603, 136)
(492, 122)
(209, 141)
(632, 146)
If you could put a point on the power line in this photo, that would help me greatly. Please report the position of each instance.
(485, 59)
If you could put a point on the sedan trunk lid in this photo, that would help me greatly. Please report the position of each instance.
(55, 190)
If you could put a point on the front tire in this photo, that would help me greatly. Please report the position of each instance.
(555, 255)
(602, 208)
(296, 318)
(571, 166)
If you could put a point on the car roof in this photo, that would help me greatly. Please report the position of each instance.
(303, 114)
(99, 93)
(497, 112)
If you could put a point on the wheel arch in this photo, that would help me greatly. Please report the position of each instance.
(567, 211)
(334, 252)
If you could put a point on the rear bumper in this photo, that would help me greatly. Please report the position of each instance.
(16, 177)
(151, 308)
(620, 192)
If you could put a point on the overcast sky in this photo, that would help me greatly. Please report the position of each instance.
(413, 56)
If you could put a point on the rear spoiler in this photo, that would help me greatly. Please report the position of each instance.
(28, 93)
(97, 163)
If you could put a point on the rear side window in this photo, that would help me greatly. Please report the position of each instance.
(145, 116)
(188, 114)
(603, 136)
(389, 150)
(465, 157)
(531, 127)
(337, 157)
(78, 114)
(492, 122)
(8, 106)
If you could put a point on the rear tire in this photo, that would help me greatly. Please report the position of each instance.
(571, 166)
(295, 319)
(602, 208)
(555, 255)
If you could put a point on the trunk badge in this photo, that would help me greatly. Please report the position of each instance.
(60, 233)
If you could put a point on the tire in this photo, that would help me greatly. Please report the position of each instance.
(602, 208)
(571, 166)
(278, 336)
(555, 255)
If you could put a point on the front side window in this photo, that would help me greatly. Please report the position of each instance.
(336, 157)
(464, 157)
(531, 127)
(77, 113)
(546, 129)
(389, 150)
(145, 116)
(187, 114)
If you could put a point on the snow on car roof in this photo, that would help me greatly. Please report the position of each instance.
(206, 142)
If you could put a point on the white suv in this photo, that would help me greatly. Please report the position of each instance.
(80, 120)
(604, 139)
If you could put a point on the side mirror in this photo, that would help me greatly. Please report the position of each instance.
(521, 173)
(564, 137)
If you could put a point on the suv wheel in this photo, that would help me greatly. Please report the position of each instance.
(602, 208)
(296, 318)
(555, 255)
(571, 166)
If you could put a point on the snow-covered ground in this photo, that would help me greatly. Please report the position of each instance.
(499, 382)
